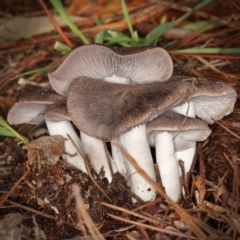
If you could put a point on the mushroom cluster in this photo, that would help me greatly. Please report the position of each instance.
(130, 94)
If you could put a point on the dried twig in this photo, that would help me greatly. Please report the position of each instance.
(59, 30)
(149, 219)
(83, 214)
(217, 122)
(30, 210)
(147, 204)
(6, 195)
(158, 229)
(194, 224)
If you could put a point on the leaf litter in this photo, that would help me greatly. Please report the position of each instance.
(50, 199)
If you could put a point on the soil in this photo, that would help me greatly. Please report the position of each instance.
(37, 200)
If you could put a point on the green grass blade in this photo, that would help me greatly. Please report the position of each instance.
(5, 132)
(62, 47)
(109, 38)
(156, 33)
(174, 41)
(34, 71)
(96, 20)
(128, 21)
(60, 9)
(195, 26)
(27, 73)
(123, 44)
(208, 51)
(5, 125)
(160, 30)
(118, 40)
(99, 37)
(115, 34)
(163, 20)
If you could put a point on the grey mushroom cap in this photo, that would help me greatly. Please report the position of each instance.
(30, 113)
(140, 64)
(30, 106)
(104, 110)
(44, 95)
(187, 130)
(212, 99)
(57, 112)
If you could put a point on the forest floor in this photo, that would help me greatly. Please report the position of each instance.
(36, 200)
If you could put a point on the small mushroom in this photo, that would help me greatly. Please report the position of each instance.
(210, 100)
(29, 109)
(105, 110)
(168, 133)
(137, 65)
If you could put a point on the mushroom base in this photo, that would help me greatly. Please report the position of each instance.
(136, 144)
(97, 155)
(63, 128)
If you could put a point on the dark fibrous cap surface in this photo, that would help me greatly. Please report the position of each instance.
(187, 130)
(44, 95)
(103, 110)
(57, 112)
(30, 106)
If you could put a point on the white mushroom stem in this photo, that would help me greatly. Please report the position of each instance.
(117, 79)
(119, 161)
(71, 156)
(116, 153)
(187, 157)
(136, 144)
(97, 155)
(167, 164)
(186, 109)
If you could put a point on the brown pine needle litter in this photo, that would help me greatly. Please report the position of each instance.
(59, 201)
(83, 215)
(195, 225)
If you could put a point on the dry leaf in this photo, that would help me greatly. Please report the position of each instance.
(223, 192)
(46, 149)
(152, 209)
(200, 185)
